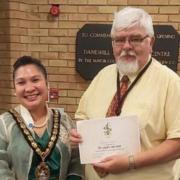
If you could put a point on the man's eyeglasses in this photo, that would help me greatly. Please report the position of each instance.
(133, 40)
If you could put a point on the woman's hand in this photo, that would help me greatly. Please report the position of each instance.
(75, 138)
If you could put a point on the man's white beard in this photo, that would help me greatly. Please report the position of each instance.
(128, 68)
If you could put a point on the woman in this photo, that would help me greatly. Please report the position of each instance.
(33, 138)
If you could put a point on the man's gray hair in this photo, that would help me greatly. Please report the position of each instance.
(130, 17)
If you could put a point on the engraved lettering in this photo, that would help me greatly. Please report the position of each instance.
(96, 52)
(85, 35)
(165, 36)
(161, 53)
(99, 35)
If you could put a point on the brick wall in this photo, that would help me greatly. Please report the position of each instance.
(26, 28)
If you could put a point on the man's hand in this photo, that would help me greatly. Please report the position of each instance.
(75, 138)
(113, 164)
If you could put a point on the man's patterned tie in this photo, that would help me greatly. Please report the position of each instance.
(115, 103)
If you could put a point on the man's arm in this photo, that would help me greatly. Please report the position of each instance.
(166, 151)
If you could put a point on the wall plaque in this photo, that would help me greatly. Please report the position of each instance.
(94, 48)
(166, 47)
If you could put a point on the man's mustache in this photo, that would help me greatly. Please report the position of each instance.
(126, 53)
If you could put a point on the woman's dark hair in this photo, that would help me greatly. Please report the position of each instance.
(25, 60)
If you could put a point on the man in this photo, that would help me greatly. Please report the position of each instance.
(153, 95)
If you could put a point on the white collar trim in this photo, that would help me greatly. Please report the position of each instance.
(28, 120)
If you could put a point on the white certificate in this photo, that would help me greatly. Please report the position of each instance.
(108, 136)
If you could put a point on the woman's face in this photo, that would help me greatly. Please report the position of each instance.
(30, 87)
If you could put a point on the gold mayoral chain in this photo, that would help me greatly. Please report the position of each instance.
(42, 171)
